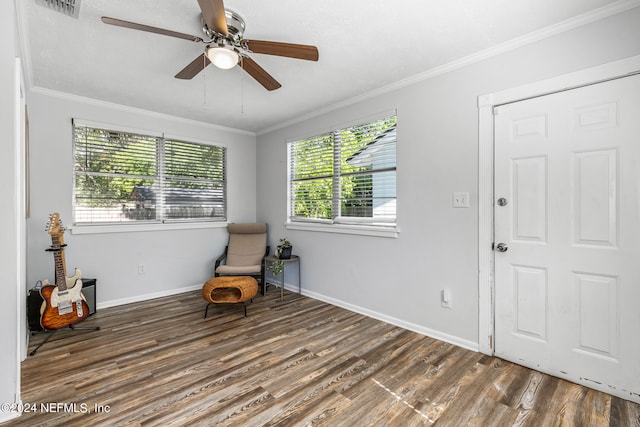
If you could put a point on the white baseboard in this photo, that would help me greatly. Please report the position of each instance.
(145, 297)
(7, 416)
(451, 339)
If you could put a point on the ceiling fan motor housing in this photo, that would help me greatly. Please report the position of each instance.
(235, 28)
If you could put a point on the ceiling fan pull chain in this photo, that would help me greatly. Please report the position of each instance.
(241, 86)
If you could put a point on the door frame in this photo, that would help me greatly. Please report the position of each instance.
(486, 104)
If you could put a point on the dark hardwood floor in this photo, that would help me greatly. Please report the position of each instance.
(292, 363)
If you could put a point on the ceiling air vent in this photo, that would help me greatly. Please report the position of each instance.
(68, 7)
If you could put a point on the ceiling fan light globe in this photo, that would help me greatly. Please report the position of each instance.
(222, 57)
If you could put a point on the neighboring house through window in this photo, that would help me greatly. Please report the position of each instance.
(346, 176)
(128, 177)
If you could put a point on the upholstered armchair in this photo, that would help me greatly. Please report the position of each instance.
(245, 252)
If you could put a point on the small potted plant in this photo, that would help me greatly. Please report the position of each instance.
(283, 250)
(276, 267)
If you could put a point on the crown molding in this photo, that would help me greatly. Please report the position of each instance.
(162, 116)
(552, 30)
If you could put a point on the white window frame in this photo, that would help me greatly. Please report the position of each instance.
(369, 226)
(150, 225)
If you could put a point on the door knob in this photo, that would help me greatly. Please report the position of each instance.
(502, 247)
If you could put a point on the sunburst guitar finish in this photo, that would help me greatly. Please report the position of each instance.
(61, 309)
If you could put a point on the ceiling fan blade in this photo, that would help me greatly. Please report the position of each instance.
(213, 12)
(258, 73)
(290, 50)
(191, 70)
(150, 29)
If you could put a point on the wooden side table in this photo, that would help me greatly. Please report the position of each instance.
(271, 259)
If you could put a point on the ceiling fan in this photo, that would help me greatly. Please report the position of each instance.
(225, 45)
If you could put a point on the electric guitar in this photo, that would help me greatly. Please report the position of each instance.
(63, 303)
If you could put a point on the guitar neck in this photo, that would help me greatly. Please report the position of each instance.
(58, 261)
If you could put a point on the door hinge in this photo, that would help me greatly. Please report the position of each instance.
(491, 342)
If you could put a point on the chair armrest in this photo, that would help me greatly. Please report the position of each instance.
(266, 254)
(220, 259)
(263, 285)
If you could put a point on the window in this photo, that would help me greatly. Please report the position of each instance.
(345, 176)
(124, 177)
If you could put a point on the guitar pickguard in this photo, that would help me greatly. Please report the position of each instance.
(71, 281)
(71, 295)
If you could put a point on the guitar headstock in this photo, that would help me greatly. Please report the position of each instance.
(54, 225)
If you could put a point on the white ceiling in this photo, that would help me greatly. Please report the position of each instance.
(364, 45)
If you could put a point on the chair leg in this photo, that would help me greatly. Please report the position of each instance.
(244, 304)
(205, 310)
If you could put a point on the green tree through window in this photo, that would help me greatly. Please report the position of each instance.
(348, 175)
(128, 177)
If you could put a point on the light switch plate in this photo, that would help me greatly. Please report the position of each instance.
(460, 200)
(445, 298)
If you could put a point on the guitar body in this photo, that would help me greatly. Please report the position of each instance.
(62, 309)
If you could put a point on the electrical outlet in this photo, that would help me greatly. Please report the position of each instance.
(460, 200)
(445, 298)
(141, 269)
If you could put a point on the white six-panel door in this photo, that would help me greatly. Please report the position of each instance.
(567, 286)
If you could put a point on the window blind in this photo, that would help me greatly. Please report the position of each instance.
(194, 181)
(124, 177)
(345, 176)
(311, 166)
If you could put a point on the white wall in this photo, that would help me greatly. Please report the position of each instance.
(174, 260)
(437, 154)
(10, 216)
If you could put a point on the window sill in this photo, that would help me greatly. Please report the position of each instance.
(133, 228)
(362, 230)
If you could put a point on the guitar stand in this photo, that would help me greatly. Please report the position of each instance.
(51, 331)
